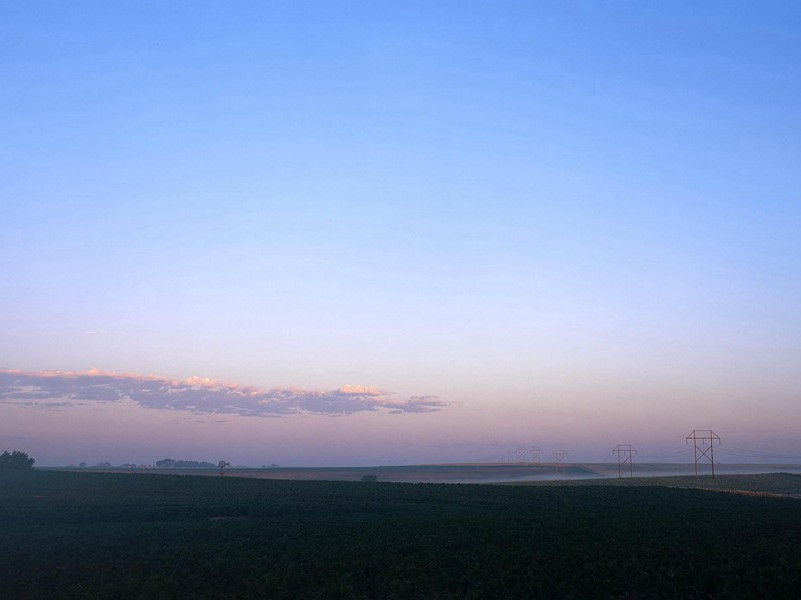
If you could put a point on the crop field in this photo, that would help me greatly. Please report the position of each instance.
(782, 484)
(460, 473)
(457, 473)
(105, 535)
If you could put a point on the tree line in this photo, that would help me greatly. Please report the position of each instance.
(15, 461)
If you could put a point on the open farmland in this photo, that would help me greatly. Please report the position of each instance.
(782, 484)
(460, 473)
(89, 535)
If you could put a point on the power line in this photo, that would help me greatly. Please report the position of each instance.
(745, 453)
(677, 451)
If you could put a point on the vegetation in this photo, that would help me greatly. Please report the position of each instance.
(169, 463)
(767, 483)
(89, 535)
(15, 461)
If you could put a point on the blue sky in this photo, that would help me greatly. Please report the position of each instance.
(583, 210)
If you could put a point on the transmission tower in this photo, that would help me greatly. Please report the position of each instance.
(703, 447)
(535, 454)
(625, 456)
(559, 460)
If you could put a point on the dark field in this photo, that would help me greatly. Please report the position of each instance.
(783, 484)
(458, 473)
(100, 535)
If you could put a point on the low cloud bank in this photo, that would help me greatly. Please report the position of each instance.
(56, 390)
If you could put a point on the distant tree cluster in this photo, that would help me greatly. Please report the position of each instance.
(15, 461)
(169, 463)
(108, 465)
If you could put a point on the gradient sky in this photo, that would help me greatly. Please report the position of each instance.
(571, 225)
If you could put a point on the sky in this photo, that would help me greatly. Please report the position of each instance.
(357, 233)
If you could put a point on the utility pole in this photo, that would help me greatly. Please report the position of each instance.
(625, 454)
(703, 447)
(559, 460)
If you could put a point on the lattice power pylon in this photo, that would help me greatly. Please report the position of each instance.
(535, 454)
(559, 461)
(703, 447)
(625, 456)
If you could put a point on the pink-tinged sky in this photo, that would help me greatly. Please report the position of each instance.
(72, 417)
(569, 225)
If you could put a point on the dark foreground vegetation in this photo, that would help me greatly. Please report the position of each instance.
(99, 535)
(787, 484)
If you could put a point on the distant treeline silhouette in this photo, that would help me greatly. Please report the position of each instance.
(169, 463)
(15, 461)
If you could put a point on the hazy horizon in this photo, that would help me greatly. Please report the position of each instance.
(347, 233)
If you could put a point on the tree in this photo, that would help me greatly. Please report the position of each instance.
(15, 461)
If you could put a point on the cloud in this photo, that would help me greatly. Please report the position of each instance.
(54, 390)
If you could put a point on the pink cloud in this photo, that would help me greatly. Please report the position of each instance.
(198, 395)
